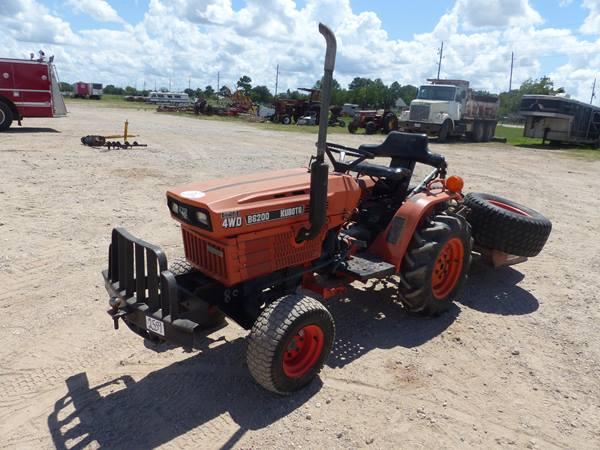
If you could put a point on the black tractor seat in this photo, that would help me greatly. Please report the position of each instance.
(406, 146)
(379, 171)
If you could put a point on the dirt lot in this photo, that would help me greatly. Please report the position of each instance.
(515, 363)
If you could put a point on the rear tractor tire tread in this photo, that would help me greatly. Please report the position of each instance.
(416, 291)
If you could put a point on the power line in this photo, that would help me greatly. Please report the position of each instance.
(441, 53)
(512, 60)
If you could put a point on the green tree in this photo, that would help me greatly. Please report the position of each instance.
(245, 84)
(511, 101)
(65, 87)
(209, 91)
(112, 90)
(408, 93)
(261, 94)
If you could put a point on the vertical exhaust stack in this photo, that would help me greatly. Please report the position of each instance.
(319, 169)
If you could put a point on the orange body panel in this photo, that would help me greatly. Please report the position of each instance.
(255, 220)
(392, 243)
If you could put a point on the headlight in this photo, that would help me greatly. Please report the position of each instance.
(175, 208)
(202, 217)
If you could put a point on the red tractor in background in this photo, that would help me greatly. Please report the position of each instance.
(253, 240)
(289, 110)
(373, 121)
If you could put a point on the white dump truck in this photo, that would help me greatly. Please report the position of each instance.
(446, 108)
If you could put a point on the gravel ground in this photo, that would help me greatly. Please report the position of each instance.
(514, 363)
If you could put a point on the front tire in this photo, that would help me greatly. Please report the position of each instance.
(289, 343)
(435, 267)
(444, 131)
(6, 116)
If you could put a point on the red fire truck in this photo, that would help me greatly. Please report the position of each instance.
(87, 90)
(28, 88)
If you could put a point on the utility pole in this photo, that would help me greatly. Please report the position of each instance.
(169, 84)
(512, 60)
(144, 85)
(593, 91)
(441, 53)
(276, 80)
(155, 85)
(189, 82)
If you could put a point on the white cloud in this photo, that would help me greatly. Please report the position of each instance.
(99, 10)
(591, 25)
(496, 13)
(178, 39)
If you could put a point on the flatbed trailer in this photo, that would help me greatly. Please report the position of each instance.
(560, 119)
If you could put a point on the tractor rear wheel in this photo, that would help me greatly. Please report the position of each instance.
(6, 116)
(352, 127)
(436, 264)
(370, 128)
(289, 343)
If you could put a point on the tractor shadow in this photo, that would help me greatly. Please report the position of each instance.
(213, 393)
(371, 316)
(212, 390)
(18, 130)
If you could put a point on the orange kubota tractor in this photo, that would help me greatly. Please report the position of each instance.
(252, 241)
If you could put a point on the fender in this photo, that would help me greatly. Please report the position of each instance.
(391, 244)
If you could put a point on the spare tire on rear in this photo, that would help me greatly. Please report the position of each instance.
(501, 224)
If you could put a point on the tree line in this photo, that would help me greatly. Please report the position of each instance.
(365, 92)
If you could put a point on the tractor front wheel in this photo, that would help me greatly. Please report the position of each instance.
(370, 128)
(436, 264)
(289, 343)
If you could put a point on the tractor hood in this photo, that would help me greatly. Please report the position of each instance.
(226, 207)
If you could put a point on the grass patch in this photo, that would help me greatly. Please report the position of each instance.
(110, 101)
(514, 136)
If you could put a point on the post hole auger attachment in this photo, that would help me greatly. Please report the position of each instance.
(319, 169)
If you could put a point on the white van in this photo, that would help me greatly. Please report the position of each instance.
(169, 98)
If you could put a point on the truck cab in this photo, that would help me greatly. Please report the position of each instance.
(448, 107)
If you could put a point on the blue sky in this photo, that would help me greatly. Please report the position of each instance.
(155, 40)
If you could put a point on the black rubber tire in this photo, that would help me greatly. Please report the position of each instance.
(390, 123)
(444, 131)
(271, 334)
(417, 270)
(488, 131)
(478, 131)
(500, 229)
(286, 120)
(370, 128)
(341, 123)
(6, 116)
(352, 127)
(180, 266)
(204, 314)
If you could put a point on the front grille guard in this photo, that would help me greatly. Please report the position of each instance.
(139, 270)
(140, 285)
